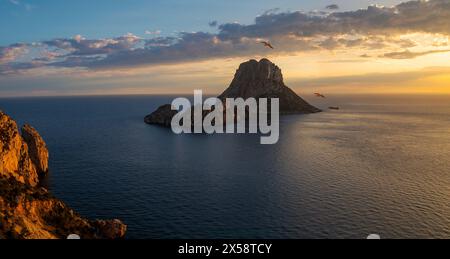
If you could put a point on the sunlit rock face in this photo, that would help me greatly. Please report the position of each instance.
(29, 211)
(37, 149)
(15, 161)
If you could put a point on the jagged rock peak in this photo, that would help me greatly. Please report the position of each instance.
(37, 148)
(264, 79)
(15, 161)
(255, 79)
(252, 71)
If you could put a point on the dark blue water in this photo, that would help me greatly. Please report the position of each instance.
(380, 165)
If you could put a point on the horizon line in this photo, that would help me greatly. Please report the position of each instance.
(184, 94)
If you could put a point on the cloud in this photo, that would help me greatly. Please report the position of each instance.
(187, 47)
(373, 28)
(332, 7)
(156, 32)
(80, 46)
(410, 55)
(12, 52)
(418, 16)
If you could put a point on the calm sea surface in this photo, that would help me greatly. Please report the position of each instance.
(379, 165)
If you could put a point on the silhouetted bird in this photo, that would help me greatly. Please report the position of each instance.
(267, 44)
(320, 95)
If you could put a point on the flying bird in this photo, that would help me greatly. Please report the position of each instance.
(267, 44)
(320, 95)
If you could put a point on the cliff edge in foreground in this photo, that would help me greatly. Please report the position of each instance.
(28, 210)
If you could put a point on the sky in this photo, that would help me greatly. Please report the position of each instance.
(52, 48)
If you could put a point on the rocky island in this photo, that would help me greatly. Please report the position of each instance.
(27, 209)
(257, 79)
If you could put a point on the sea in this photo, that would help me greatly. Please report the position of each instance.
(379, 165)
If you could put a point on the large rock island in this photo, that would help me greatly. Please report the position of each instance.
(27, 209)
(255, 79)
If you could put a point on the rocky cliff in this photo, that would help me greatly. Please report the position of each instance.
(257, 79)
(36, 148)
(28, 210)
(264, 79)
(16, 163)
